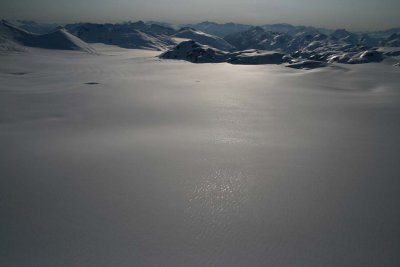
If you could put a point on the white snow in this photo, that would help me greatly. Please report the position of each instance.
(123, 159)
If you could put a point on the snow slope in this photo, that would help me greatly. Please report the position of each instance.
(132, 35)
(128, 160)
(6, 45)
(204, 39)
(59, 39)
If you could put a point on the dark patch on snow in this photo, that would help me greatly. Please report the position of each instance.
(19, 73)
(92, 83)
(307, 64)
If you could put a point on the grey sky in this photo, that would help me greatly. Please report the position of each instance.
(350, 14)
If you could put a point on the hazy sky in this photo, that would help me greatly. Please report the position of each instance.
(350, 14)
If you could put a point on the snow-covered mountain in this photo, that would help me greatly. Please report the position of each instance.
(257, 57)
(259, 38)
(268, 44)
(7, 45)
(153, 36)
(204, 39)
(383, 34)
(128, 35)
(225, 29)
(339, 46)
(194, 52)
(316, 51)
(59, 39)
(198, 53)
(291, 29)
(392, 41)
(217, 29)
(35, 27)
(252, 38)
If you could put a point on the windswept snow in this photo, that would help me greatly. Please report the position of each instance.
(123, 159)
(129, 159)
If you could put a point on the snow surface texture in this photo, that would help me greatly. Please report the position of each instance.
(166, 163)
(59, 39)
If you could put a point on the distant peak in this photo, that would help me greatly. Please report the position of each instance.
(187, 29)
(340, 31)
(140, 22)
(6, 22)
(256, 28)
(207, 22)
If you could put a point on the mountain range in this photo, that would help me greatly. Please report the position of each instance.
(13, 38)
(213, 42)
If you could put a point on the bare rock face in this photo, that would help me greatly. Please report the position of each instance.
(307, 64)
(195, 53)
(256, 57)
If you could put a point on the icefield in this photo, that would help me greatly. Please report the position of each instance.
(122, 158)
